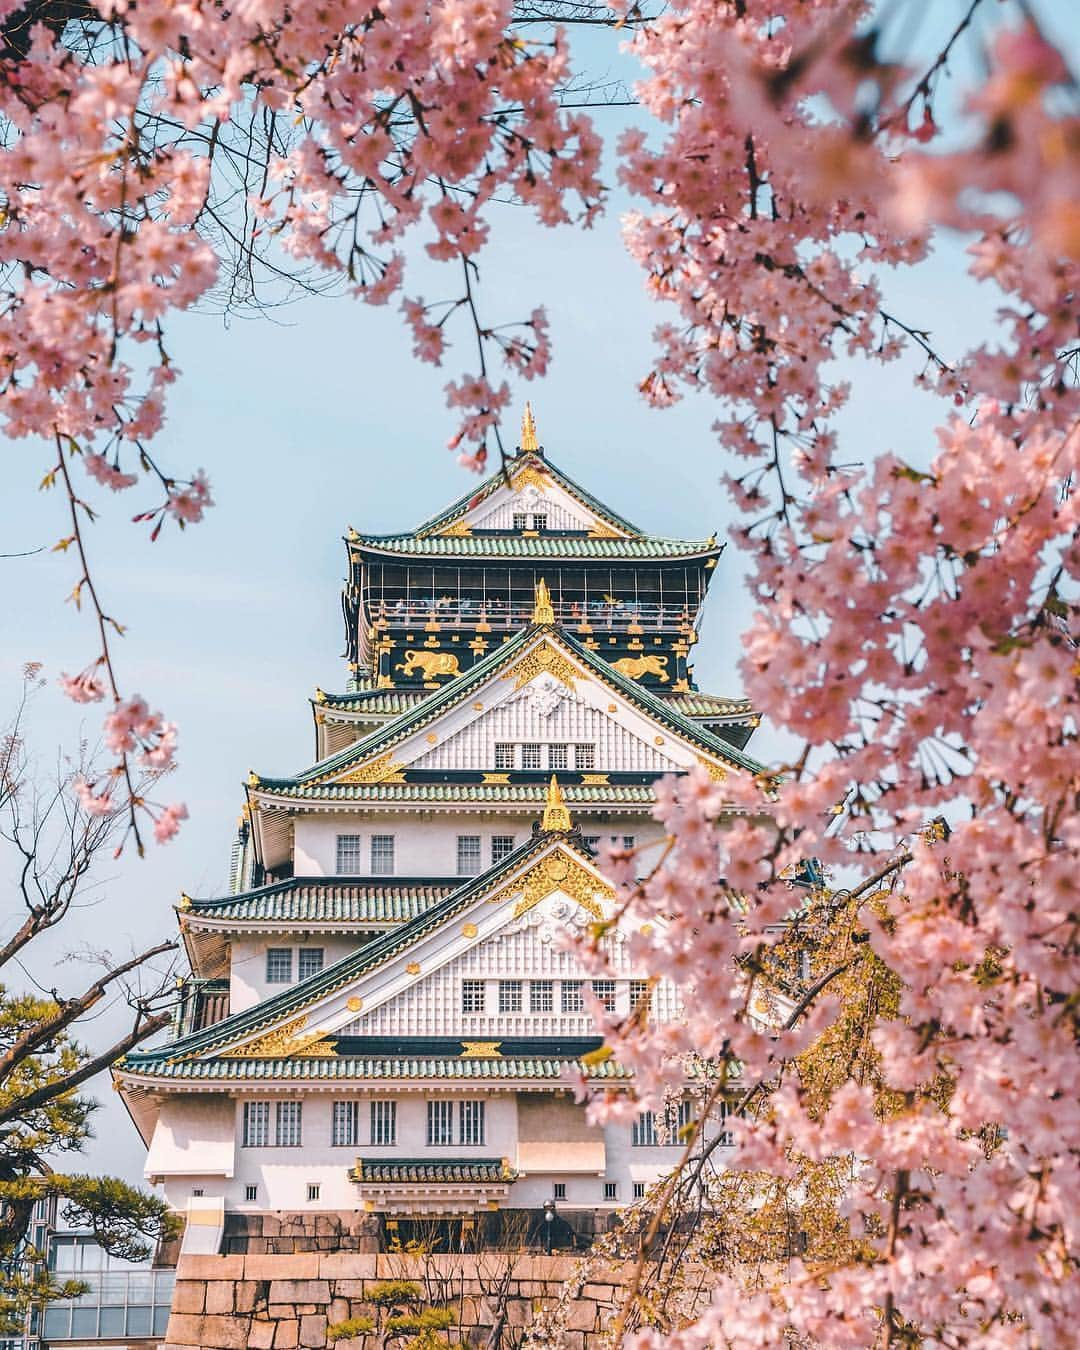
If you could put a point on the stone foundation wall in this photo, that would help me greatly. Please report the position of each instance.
(275, 1302)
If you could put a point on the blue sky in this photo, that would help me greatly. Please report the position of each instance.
(317, 417)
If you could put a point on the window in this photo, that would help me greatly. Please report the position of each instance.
(628, 841)
(256, 1124)
(604, 990)
(309, 962)
(558, 1191)
(520, 519)
(471, 1118)
(558, 757)
(440, 1122)
(584, 756)
(313, 1190)
(502, 845)
(727, 1137)
(530, 755)
(571, 997)
(279, 965)
(542, 996)
(196, 1191)
(345, 1124)
(509, 996)
(539, 522)
(289, 1124)
(680, 1119)
(643, 1130)
(384, 1122)
(382, 855)
(472, 996)
(348, 855)
(592, 842)
(504, 756)
(251, 1192)
(640, 993)
(611, 1190)
(639, 1190)
(805, 967)
(468, 855)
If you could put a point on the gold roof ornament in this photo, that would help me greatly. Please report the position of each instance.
(556, 812)
(543, 611)
(528, 431)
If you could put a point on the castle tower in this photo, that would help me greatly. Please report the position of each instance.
(381, 1020)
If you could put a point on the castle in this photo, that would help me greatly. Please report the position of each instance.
(382, 1016)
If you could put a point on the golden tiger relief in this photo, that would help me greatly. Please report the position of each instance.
(430, 663)
(636, 666)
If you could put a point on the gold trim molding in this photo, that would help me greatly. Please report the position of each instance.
(283, 1041)
(544, 658)
(559, 871)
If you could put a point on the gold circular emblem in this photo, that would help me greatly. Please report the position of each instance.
(545, 655)
(469, 930)
(354, 1004)
(413, 968)
(659, 740)
(557, 868)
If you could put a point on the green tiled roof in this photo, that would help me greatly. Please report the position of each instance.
(708, 705)
(357, 1068)
(527, 794)
(378, 702)
(540, 546)
(376, 1171)
(327, 900)
(382, 738)
(499, 478)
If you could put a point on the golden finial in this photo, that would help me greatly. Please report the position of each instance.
(320, 697)
(185, 901)
(556, 812)
(542, 609)
(253, 779)
(528, 430)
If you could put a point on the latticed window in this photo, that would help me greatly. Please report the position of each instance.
(530, 755)
(501, 846)
(382, 855)
(611, 1190)
(504, 755)
(639, 993)
(639, 1190)
(584, 756)
(278, 965)
(289, 1124)
(628, 840)
(539, 522)
(558, 1190)
(643, 1130)
(472, 996)
(468, 855)
(384, 1122)
(471, 1119)
(345, 1124)
(313, 1190)
(348, 855)
(727, 1136)
(256, 1124)
(592, 842)
(604, 990)
(558, 757)
(520, 520)
(571, 997)
(542, 996)
(309, 962)
(509, 996)
(440, 1123)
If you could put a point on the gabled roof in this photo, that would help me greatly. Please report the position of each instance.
(524, 463)
(539, 546)
(241, 1026)
(440, 701)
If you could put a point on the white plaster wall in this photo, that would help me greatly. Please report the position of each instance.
(194, 1136)
(247, 969)
(425, 843)
(282, 1175)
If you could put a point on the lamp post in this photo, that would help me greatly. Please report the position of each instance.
(549, 1222)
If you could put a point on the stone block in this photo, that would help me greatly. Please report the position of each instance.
(313, 1331)
(600, 1293)
(287, 1334)
(219, 1296)
(518, 1312)
(349, 1288)
(582, 1316)
(189, 1296)
(261, 1335)
(338, 1310)
(347, 1265)
(183, 1329)
(210, 1268)
(300, 1291)
(275, 1267)
(246, 1294)
(224, 1333)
